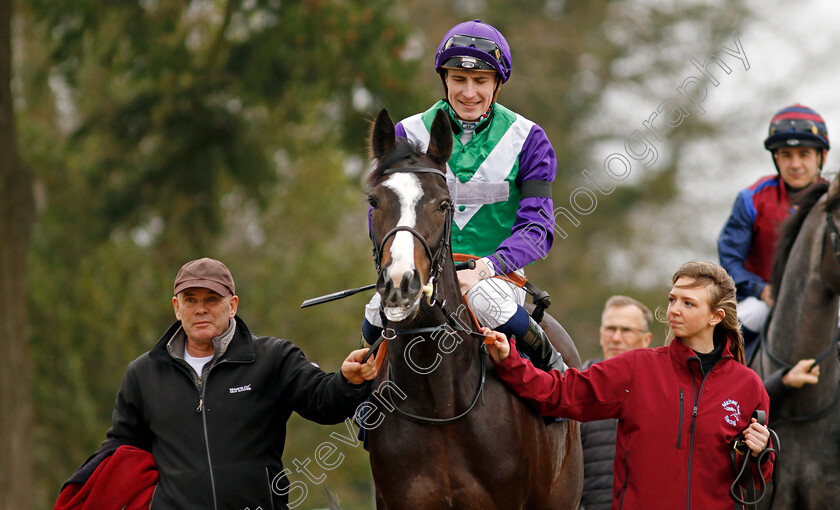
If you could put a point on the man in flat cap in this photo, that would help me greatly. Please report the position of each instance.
(210, 402)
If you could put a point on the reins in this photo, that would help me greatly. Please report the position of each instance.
(835, 234)
(814, 416)
(446, 238)
(482, 356)
(785, 364)
(740, 447)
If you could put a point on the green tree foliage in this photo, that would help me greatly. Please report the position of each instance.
(175, 104)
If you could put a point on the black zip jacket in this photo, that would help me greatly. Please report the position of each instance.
(218, 439)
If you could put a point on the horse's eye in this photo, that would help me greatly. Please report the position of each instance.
(444, 205)
(372, 201)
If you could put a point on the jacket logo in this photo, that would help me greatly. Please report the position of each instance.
(734, 410)
(240, 389)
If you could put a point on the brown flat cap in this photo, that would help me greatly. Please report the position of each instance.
(206, 273)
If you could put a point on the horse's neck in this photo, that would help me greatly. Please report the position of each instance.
(804, 320)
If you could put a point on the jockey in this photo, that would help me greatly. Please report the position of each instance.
(499, 177)
(798, 141)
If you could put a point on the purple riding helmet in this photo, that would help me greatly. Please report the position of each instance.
(474, 45)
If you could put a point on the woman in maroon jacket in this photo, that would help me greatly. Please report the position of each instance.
(679, 406)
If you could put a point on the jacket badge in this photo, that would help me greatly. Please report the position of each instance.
(734, 410)
(240, 389)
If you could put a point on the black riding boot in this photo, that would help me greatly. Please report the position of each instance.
(536, 344)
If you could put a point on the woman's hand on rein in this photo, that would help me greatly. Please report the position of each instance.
(756, 436)
(497, 344)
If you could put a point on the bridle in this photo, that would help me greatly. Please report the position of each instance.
(435, 260)
(436, 268)
(819, 414)
(834, 236)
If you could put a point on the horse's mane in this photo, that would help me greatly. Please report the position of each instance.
(791, 227)
(404, 149)
(833, 201)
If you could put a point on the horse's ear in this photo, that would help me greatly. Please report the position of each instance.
(440, 139)
(382, 136)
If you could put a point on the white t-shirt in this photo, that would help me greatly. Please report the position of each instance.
(196, 363)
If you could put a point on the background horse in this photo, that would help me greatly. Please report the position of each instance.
(806, 276)
(444, 431)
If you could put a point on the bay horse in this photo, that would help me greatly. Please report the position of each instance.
(450, 434)
(803, 325)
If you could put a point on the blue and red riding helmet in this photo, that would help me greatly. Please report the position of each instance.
(797, 126)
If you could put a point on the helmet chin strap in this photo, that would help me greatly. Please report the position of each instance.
(496, 91)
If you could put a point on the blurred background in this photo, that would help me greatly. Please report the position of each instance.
(135, 136)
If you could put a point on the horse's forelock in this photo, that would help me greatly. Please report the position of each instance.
(793, 224)
(405, 150)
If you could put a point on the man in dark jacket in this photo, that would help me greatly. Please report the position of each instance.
(211, 400)
(625, 325)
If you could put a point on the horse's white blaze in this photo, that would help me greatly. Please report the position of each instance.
(408, 189)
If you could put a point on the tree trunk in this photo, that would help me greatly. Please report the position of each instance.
(16, 219)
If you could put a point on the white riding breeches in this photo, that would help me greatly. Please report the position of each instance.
(494, 301)
(752, 313)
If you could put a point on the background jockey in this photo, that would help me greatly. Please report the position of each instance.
(798, 141)
(499, 176)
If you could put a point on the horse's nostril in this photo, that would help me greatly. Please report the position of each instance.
(401, 290)
(383, 285)
(416, 283)
(407, 282)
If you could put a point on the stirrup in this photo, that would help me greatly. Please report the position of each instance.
(539, 347)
